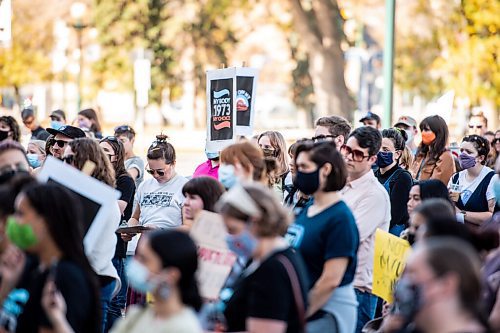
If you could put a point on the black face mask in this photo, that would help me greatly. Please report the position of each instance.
(4, 135)
(307, 183)
(269, 152)
(407, 299)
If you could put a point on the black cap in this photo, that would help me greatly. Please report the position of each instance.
(69, 131)
(58, 114)
(370, 116)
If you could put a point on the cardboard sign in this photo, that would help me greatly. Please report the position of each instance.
(389, 263)
(230, 105)
(96, 197)
(215, 259)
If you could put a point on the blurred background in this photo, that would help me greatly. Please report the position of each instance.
(143, 62)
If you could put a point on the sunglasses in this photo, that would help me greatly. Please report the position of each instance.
(60, 143)
(68, 159)
(356, 155)
(160, 173)
(321, 138)
(109, 138)
(477, 126)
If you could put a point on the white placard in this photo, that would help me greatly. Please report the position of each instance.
(99, 197)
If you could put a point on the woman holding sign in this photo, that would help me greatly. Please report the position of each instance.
(326, 235)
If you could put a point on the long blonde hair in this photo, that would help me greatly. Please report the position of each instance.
(279, 145)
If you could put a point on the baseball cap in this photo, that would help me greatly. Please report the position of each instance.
(406, 121)
(58, 114)
(69, 131)
(370, 116)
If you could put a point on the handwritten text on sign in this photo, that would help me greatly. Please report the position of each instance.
(389, 263)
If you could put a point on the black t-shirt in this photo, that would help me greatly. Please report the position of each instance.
(76, 290)
(398, 187)
(126, 185)
(267, 293)
(39, 134)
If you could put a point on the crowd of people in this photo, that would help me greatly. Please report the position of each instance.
(301, 222)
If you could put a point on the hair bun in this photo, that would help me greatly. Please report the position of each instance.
(161, 138)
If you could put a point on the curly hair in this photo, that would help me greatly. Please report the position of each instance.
(14, 127)
(480, 144)
(86, 149)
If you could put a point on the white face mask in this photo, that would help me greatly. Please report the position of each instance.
(409, 133)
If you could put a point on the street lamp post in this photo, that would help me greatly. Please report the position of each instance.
(78, 10)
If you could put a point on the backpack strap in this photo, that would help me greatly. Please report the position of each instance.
(297, 291)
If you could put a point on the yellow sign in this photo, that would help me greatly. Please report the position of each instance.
(389, 263)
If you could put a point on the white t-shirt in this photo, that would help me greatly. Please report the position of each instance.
(467, 187)
(161, 205)
(140, 320)
(136, 163)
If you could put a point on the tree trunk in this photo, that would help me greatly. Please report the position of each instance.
(320, 32)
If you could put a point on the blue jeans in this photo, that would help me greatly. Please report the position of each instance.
(118, 302)
(106, 293)
(366, 308)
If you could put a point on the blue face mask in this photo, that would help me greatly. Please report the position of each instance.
(212, 156)
(138, 277)
(227, 176)
(243, 245)
(56, 124)
(496, 189)
(384, 158)
(33, 160)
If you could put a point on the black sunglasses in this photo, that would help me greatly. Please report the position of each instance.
(160, 173)
(60, 143)
(109, 138)
(321, 138)
(68, 159)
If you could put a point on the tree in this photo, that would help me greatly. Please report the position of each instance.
(27, 60)
(320, 28)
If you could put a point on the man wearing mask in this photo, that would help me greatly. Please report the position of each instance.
(62, 137)
(371, 208)
(210, 167)
(29, 120)
(409, 125)
(333, 128)
(57, 119)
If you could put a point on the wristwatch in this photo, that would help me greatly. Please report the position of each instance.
(464, 213)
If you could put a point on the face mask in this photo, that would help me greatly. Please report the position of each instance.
(226, 175)
(428, 137)
(33, 160)
(4, 135)
(407, 299)
(243, 245)
(21, 235)
(307, 183)
(466, 161)
(212, 156)
(268, 152)
(409, 134)
(138, 277)
(496, 189)
(83, 125)
(56, 124)
(385, 158)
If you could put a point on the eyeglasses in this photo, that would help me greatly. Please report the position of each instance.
(321, 138)
(477, 126)
(60, 143)
(356, 155)
(68, 159)
(160, 172)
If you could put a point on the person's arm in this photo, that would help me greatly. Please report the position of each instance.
(133, 172)
(54, 306)
(370, 213)
(132, 222)
(122, 205)
(478, 218)
(258, 325)
(333, 272)
(445, 168)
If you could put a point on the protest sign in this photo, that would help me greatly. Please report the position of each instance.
(96, 197)
(230, 105)
(389, 263)
(214, 258)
